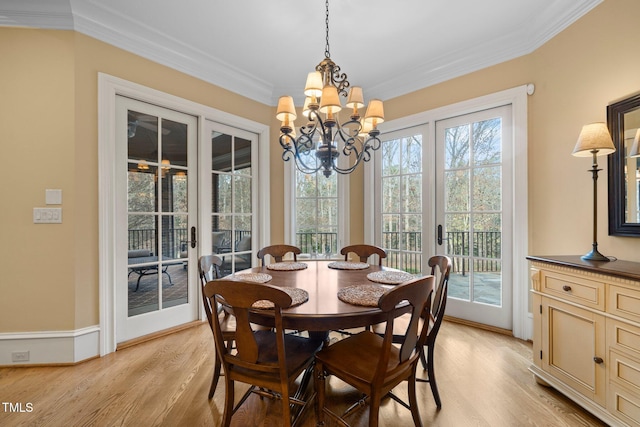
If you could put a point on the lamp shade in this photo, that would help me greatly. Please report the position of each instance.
(330, 102)
(634, 147)
(313, 87)
(355, 100)
(594, 136)
(286, 111)
(375, 112)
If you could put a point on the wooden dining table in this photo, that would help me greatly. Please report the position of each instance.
(323, 311)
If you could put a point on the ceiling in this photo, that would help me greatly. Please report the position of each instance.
(264, 49)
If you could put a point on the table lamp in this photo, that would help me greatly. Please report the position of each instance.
(594, 140)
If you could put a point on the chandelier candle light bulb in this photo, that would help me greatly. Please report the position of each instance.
(324, 141)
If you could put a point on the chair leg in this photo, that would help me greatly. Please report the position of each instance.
(374, 409)
(216, 376)
(319, 384)
(432, 376)
(286, 408)
(229, 397)
(413, 401)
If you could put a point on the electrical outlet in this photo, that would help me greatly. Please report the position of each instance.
(20, 356)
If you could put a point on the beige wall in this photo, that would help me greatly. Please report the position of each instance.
(48, 139)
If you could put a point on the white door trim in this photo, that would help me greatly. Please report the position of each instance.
(517, 97)
(108, 88)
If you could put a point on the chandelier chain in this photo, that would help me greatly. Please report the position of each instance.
(326, 21)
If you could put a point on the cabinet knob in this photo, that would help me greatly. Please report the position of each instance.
(598, 360)
(566, 288)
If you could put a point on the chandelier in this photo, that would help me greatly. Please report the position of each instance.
(324, 143)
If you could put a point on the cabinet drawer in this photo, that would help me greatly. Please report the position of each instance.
(625, 371)
(624, 405)
(624, 302)
(589, 293)
(623, 336)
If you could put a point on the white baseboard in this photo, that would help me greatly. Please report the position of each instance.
(51, 347)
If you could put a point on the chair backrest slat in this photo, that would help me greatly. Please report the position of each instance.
(364, 252)
(278, 252)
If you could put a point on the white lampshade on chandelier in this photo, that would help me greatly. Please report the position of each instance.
(323, 134)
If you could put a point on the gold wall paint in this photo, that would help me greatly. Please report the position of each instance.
(48, 139)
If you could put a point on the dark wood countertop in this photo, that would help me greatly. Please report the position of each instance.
(619, 268)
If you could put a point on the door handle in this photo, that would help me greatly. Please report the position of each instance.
(440, 239)
(193, 237)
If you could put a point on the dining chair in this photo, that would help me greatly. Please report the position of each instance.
(268, 360)
(371, 363)
(278, 252)
(209, 269)
(364, 252)
(440, 269)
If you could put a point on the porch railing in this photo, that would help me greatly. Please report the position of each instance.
(486, 250)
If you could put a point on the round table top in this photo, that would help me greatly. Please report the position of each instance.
(323, 311)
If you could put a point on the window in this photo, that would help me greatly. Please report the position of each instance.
(315, 212)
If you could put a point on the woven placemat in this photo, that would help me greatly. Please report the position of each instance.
(347, 265)
(287, 266)
(254, 277)
(364, 295)
(390, 277)
(298, 296)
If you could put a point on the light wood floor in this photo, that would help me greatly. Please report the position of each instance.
(482, 376)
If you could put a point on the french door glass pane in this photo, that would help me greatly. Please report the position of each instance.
(231, 200)
(157, 213)
(472, 210)
(401, 200)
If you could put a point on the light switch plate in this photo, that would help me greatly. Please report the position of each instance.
(47, 215)
(53, 197)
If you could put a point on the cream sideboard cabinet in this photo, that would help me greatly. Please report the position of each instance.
(586, 341)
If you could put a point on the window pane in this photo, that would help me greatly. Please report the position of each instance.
(391, 231)
(305, 185)
(242, 152)
(221, 197)
(487, 141)
(221, 152)
(456, 197)
(487, 195)
(142, 189)
(412, 156)
(412, 189)
(391, 157)
(142, 137)
(174, 142)
(456, 145)
(242, 194)
(391, 194)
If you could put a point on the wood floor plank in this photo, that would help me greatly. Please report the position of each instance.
(482, 377)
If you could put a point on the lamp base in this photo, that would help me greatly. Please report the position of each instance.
(594, 255)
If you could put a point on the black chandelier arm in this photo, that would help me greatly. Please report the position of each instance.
(292, 151)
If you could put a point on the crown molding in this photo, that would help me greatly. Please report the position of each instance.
(53, 14)
(482, 55)
(99, 21)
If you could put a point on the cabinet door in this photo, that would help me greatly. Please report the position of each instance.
(573, 347)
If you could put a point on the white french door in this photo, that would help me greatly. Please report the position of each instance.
(474, 200)
(155, 218)
(230, 195)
